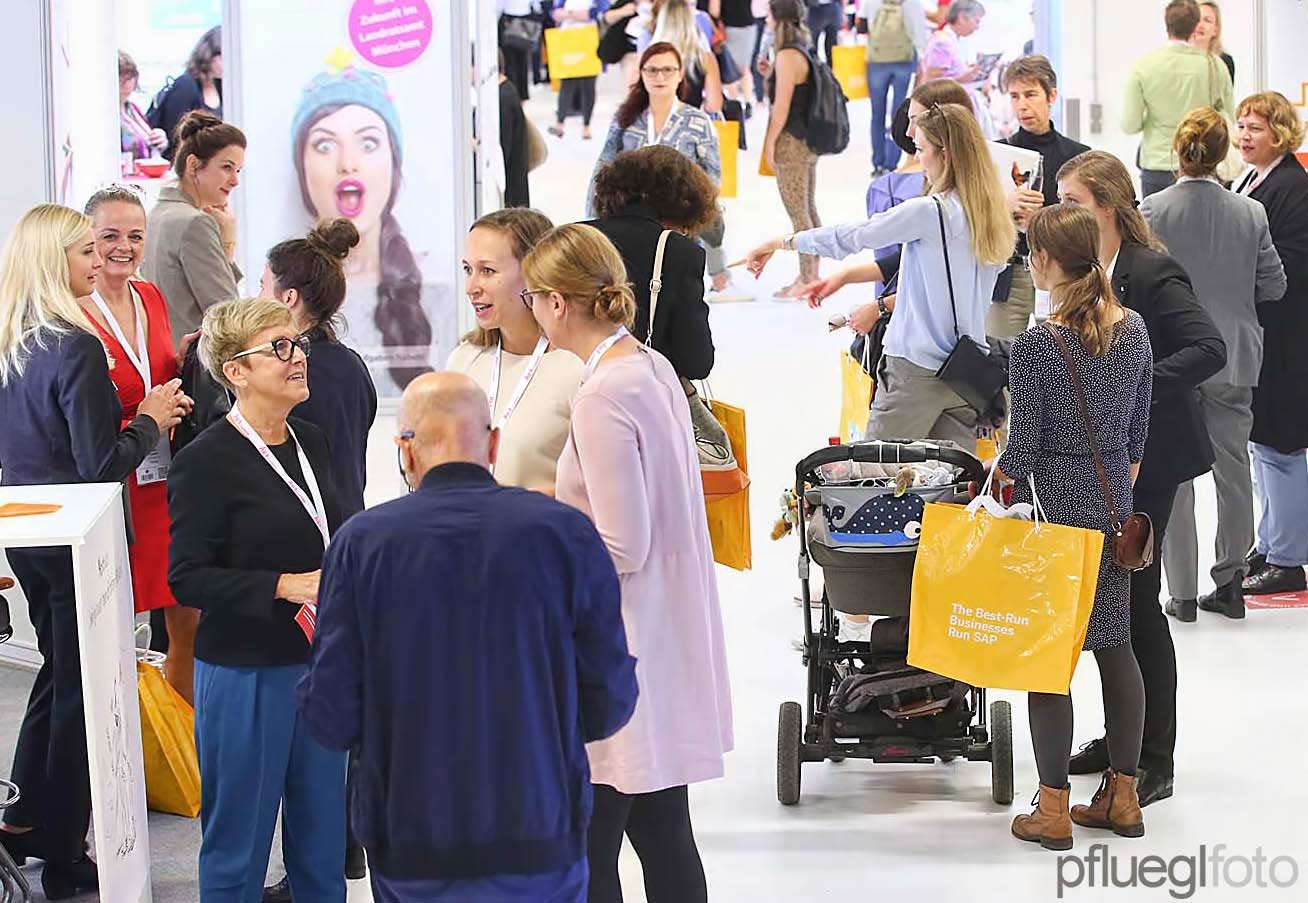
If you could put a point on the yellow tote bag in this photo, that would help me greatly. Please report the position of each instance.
(172, 770)
(728, 516)
(849, 65)
(855, 399)
(729, 151)
(573, 52)
(1001, 603)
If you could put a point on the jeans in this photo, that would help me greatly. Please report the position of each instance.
(825, 20)
(1282, 484)
(881, 78)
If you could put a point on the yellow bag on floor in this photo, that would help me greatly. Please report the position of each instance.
(849, 65)
(855, 399)
(573, 52)
(729, 151)
(728, 516)
(172, 769)
(1001, 603)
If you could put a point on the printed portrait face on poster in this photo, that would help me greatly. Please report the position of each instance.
(369, 110)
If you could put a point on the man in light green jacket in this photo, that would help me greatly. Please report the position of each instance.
(1165, 86)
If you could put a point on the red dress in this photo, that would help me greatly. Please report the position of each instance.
(149, 554)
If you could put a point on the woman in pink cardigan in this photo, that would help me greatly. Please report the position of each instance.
(630, 463)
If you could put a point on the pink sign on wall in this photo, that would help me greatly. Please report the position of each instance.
(390, 33)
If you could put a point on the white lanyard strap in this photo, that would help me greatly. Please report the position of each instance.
(139, 355)
(600, 350)
(314, 508)
(542, 345)
(656, 286)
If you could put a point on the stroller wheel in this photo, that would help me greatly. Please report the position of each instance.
(790, 735)
(1001, 752)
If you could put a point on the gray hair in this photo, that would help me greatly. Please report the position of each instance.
(964, 7)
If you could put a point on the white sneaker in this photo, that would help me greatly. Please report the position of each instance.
(731, 294)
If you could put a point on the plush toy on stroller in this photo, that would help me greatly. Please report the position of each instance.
(860, 521)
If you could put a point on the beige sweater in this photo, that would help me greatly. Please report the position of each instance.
(533, 437)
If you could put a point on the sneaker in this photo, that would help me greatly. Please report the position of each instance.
(1273, 579)
(731, 294)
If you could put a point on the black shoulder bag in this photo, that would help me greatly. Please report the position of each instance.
(977, 376)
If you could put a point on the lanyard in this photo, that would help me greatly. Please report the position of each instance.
(653, 138)
(600, 350)
(138, 355)
(315, 508)
(542, 344)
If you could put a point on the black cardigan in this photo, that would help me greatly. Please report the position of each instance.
(514, 147)
(1188, 349)
(682, 332)
(61, 422)
(1281, 400)
(236, 528)
(182, 95)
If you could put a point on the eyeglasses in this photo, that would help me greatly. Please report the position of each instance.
(526, 294)
(660, 71)
(283, 348)
(405, 436)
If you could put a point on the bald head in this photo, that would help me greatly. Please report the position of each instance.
(449, 417)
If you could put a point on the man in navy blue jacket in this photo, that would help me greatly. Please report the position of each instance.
(469, 644)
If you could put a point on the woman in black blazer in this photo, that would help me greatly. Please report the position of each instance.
(1188, 349)
(61, 420)
(253, 506)
(637, 197)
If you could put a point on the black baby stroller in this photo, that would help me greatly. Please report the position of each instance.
(13, 885)
(859, 520)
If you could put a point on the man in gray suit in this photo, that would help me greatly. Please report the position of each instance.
(1223, 241)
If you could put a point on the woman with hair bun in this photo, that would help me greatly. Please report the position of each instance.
(1048, 444)
(1223, 241)
(631, 464)
(190, 248)
(348, 149)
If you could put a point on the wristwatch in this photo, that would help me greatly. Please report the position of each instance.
(881, 307)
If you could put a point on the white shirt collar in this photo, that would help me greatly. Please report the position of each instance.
(1112, 264)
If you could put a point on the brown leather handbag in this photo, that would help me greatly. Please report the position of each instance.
(1133, 536)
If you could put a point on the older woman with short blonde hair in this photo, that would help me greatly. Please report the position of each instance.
(253, 506)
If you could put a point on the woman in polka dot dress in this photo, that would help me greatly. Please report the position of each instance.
(1047, 440)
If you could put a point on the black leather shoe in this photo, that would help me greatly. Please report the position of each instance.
(1182, 609)
(1254, 562)
(279, 892)
(1273, 579)
(1153, 787)
(356, 863)
(1225, 600)
(63, 880)
(1091, 758)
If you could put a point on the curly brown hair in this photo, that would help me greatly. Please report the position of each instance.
(662, 180)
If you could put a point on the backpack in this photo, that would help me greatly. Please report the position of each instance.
(828, 117)
(887, 35)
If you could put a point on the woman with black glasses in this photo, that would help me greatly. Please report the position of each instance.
(253, 505)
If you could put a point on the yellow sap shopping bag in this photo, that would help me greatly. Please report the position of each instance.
(172, 770)
(848, 64)
(1001, 603)
(729, 152)
(855, 399)
(573, 52)
(728, 516)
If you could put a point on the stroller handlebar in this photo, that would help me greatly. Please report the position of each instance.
(890, 453)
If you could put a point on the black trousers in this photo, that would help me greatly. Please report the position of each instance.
(658, 826)
(517, 65)
(1151, 639)
(576, 93)
(825, 20)
(50, 761)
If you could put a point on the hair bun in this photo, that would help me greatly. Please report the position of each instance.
(334, 237)
(194, 122)
(615, 303)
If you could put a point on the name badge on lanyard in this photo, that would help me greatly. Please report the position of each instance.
(155, 467)
(600, 350)
(307, 617)
(542, 345)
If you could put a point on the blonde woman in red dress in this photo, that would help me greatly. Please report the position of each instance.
(132, 319)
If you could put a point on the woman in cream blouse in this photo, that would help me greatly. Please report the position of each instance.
(530, 386)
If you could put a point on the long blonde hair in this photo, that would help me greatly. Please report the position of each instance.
(1108, 182)
(953, 129)
(673, 22)
(1214, 43)
(581, 264)
(34, 290)
(1086, 303)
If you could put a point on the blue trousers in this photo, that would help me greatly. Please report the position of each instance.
(255, 755)
(881, 78)
(1282, 484)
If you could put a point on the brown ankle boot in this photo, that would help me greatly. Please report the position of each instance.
(1049, 825)
(1115, 805)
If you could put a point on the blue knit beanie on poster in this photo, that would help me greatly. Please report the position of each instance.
(349, 86)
